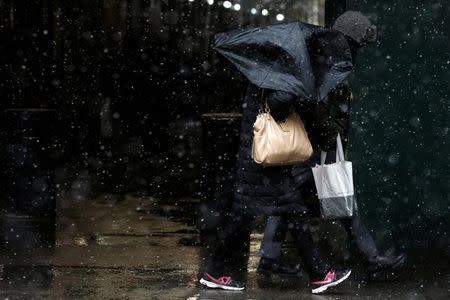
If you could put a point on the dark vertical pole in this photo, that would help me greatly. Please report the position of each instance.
(333, 8)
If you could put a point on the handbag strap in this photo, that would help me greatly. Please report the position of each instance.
(264, 108)
(339, 151)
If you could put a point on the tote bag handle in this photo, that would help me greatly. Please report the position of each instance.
(339, 151)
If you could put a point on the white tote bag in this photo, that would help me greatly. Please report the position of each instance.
(334, 183)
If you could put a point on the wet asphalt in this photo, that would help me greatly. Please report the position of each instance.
(106, 248)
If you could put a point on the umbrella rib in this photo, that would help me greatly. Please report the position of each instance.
(267, 74)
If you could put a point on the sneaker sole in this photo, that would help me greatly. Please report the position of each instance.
(323, 288)
(213, 285)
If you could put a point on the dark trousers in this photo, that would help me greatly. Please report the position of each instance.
(276, 228)
(234, 238)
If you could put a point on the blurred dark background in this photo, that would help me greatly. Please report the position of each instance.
(129, 81)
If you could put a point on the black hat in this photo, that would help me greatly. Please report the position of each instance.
(357, 26)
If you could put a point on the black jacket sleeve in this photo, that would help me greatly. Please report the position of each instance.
(333, 118)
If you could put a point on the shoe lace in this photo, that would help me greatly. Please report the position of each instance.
(225, 280)
(328, 278)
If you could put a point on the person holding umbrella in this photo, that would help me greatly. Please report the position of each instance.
(325, 121)
(289, 64)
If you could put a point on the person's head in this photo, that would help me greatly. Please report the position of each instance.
(358, 29)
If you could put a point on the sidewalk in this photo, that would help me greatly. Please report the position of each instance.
(107, 250)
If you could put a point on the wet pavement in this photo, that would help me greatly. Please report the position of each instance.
(111, 248)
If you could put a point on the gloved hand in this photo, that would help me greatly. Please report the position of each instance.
(333, 117)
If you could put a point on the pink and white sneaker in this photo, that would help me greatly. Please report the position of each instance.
(331, 279)
(223, 282)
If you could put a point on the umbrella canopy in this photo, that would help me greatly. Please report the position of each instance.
(298, 58)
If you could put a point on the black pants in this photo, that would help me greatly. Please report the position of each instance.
(234, 238)
(276, 228)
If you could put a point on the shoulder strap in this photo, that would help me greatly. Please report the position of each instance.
(264, 106)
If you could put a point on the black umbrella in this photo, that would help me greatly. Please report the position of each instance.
(298, 58)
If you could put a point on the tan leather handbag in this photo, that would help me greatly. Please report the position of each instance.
(279, 143)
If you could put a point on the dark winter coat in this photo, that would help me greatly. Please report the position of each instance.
(262, 190)
(329, 118)
(276, 190)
